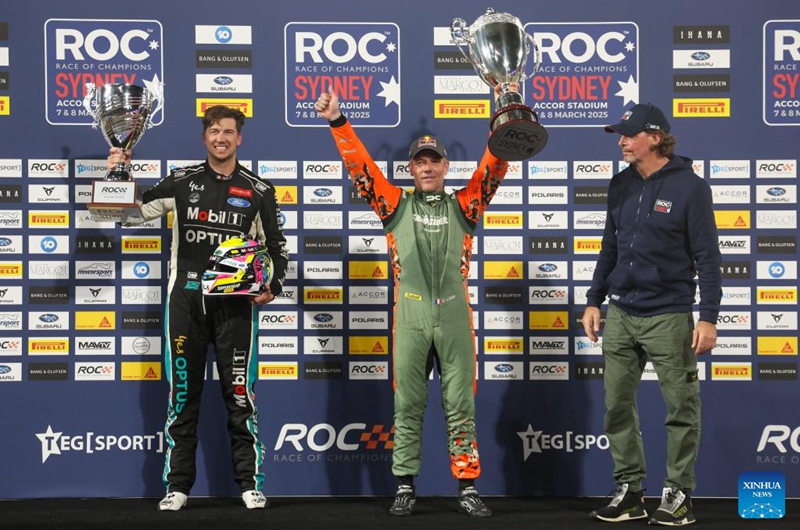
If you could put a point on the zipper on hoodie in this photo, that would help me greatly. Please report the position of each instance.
(633, 239)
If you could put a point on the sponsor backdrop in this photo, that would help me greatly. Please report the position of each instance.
(81, 300)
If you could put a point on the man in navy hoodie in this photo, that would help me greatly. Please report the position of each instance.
(660, 232)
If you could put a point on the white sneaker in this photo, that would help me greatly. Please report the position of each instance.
(174, 501)
(254, 499)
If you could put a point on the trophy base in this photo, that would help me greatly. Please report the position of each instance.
(118, 213)
(516, 133)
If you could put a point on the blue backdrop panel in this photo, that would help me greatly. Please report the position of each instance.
(80, 302)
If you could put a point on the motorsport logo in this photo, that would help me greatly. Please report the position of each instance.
(360, 61)
(323, 442)
(57, 443)
(583, 67)
(534, 441)
(80, 51)
(781, 60)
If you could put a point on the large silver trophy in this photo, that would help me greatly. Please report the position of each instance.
(498, 48)
(123, 113)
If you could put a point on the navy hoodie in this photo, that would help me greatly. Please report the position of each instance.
(659, 232)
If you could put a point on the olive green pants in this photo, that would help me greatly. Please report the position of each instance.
(666, 340)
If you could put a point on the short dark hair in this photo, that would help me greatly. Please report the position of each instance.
(219, 112)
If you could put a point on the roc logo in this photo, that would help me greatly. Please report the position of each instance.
(277, 370)
(141, 371)
(286, 194)
(322, 295)
(549, 320)
(777, 345)
(243, 105)
(588, 245)
(368, 346)
(368, 270)
(502, 270)
(732, 219)
(461, 108)
(95, 320)
(48, 346)
(701, 108)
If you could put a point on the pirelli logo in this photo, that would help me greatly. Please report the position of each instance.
(141, 244)
(732, 219)
(588, 245)
(5, 106)
(10, 270)
(48, 219)
(368, 346)
(732, 371)
(368, 270)
(243, 105)
(777, 296)
(502, 345)
(322, 296)
(503, 220)
(48, 346)
(277, 370)
(701, 107)
(286, 194)
(461, 108)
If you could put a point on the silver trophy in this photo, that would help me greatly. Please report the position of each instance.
(498, 48)
(123, 113)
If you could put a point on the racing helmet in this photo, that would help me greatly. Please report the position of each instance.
(238, 266)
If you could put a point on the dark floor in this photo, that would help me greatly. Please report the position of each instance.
(324, 513)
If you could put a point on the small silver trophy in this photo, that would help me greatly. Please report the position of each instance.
(123, 113)
(498, 48)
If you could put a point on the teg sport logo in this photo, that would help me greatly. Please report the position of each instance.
(80, 51)
(359, 61)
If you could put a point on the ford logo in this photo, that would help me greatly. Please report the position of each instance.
(238, 203)
(4, 369)
(548, 267)
(323, 192)
(4, 241)
(223, 80)
(323, 317)
(504, 368)
(701, 56)
(776, 192)
(48, 317)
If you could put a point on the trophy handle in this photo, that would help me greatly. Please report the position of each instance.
(157, 94)
(87, 103)
(460, 33)
(537, 57)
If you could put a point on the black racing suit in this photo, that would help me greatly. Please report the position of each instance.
(209, 208)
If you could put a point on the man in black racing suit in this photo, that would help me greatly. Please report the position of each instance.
(212, 202)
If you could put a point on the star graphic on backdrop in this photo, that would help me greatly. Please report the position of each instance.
(49, 441)
(530, 441)
(629, 46)
(391, 47)
(391, 92)
(629, 91)
(153, 45)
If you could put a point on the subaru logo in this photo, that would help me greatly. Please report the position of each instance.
(4, 369)
(701, 56)
(776, 192)
(504, 368)
(548, 267)
(48, 317)
(4, 241)
(238, 203)
(223, 80)
(323, 317)
(323, 192)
